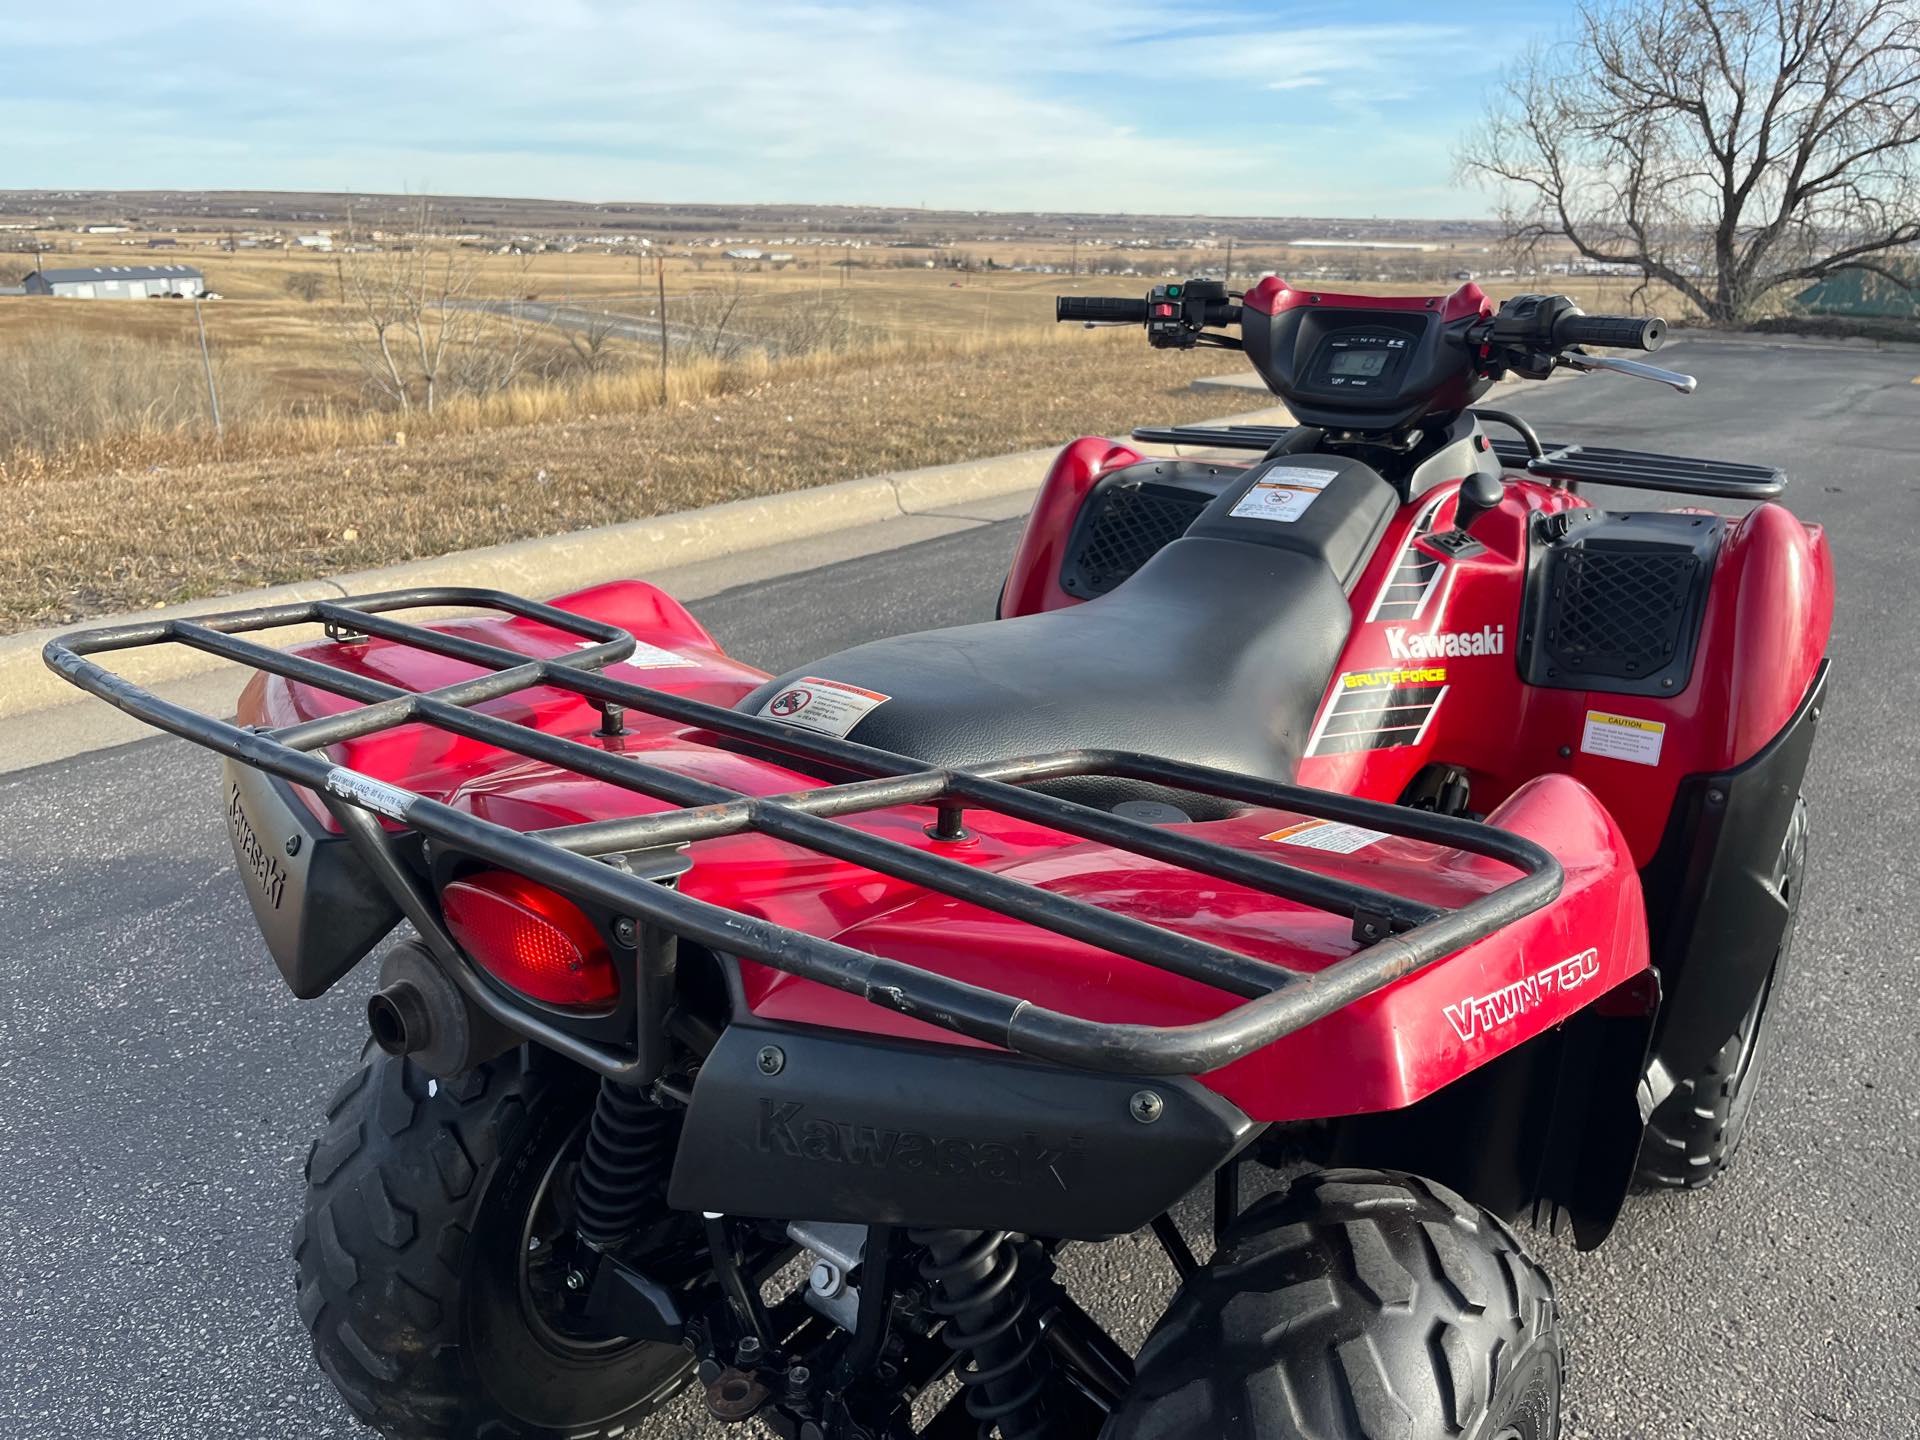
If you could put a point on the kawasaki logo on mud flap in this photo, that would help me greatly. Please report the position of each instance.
(1482, 1014)
(260, 863)
(785, 1131)
(1487, 640)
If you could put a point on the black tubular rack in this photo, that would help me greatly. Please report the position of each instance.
(1400, 935)
(1561, 464)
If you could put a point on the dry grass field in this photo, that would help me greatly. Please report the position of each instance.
(118, 492)
(129, 538)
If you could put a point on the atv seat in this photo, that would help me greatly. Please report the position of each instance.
(1217, 651)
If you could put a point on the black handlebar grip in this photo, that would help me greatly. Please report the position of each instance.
(1618, 332)
(1106, 309)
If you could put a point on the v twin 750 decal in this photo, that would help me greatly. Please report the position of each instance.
(1483, 1014)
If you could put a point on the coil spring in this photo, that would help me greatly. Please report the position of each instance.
(629, 1145)
(975, 1279)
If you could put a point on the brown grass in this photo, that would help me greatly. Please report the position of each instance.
(136, 536)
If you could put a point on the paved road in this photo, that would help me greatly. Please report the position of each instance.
(158, 1087)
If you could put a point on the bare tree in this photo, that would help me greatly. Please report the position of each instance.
(420, 326)
(1726, 148)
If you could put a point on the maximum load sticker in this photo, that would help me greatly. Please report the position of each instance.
(1283, 494)
(1329, 835)
(828, 707)
(1622, 737)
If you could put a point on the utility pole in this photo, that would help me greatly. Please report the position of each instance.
(1073, 256)
(1229, 281)
(206, 363)
(660, 285)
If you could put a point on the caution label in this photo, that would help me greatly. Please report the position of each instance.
(828, 707)
(1622, 737)
(648, 657)
(1283, 494)
(1328, 835)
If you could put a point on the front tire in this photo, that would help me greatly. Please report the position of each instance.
(424, 1250)
(1360, 1304)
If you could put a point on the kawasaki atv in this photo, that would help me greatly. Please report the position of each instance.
(1371, 797)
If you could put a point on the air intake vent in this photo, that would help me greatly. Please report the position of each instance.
(1122, 527)
(1614, 601)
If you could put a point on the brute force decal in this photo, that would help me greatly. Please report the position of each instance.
(1379, 709)
(785, 1131)
(1480, 1015)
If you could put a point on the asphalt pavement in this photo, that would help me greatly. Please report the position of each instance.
(158, 1085)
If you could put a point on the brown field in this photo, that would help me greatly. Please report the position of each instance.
(118, 493)
(137, 537)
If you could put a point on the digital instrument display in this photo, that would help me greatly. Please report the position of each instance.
(1358, 362)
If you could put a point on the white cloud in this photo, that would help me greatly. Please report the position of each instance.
(1060, 103)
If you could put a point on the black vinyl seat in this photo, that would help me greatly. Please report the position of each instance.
(1217, 651)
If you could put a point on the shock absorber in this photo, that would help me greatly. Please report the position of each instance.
(977, 1287)
(629, 1147)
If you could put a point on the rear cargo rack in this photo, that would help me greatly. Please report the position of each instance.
(1561, 464)
(1399, 935)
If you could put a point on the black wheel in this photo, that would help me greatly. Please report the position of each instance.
(1362, 1303)
(1692, 1135)
(428, 1270)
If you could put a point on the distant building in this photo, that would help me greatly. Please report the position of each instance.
(321, 241)
(1865, 293)
(163, 242)
(118, 282)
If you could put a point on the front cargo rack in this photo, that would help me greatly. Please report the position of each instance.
(1401, 935)
(1561, 464)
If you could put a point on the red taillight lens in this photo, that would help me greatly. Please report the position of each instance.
(531, 939)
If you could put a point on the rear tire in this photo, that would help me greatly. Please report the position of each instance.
(429, 1203)
(1693, 1133)
(1359, 1305)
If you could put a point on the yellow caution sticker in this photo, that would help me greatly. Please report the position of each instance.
(1623, 737)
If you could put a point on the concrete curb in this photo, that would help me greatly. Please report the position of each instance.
(554, 564)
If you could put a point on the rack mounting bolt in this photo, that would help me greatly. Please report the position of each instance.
(625, 932)
(293, 845)
(576, 1280)
(1146, 1106)
(771, 1059)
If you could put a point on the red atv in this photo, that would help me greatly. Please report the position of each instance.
(1375, 799)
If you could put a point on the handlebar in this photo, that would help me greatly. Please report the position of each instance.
(1617, 332)
(1100, 309)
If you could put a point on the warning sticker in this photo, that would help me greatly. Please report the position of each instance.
(649, 657)
(1329, 835)
(375, 795)
(826, 706)
(1621, 737)
(1283, 494)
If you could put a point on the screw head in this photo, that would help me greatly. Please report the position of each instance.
(1716, 797)
(575, 1280)
(1146, 1106)
(771, 1060)
(293, 845)
(625, 931)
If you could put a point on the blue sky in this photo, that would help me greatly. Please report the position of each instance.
(1275, 109)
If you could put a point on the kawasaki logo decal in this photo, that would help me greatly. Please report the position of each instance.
(785, 1131)
(1487, 640)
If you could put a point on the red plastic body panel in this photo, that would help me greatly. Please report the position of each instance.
(1033, 582)
(1763, 633)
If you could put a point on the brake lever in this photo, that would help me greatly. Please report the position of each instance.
(1580, 360)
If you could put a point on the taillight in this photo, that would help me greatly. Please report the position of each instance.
(531, 939)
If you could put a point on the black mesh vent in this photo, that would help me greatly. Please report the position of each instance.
(1620, 610)
(1124, 527)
